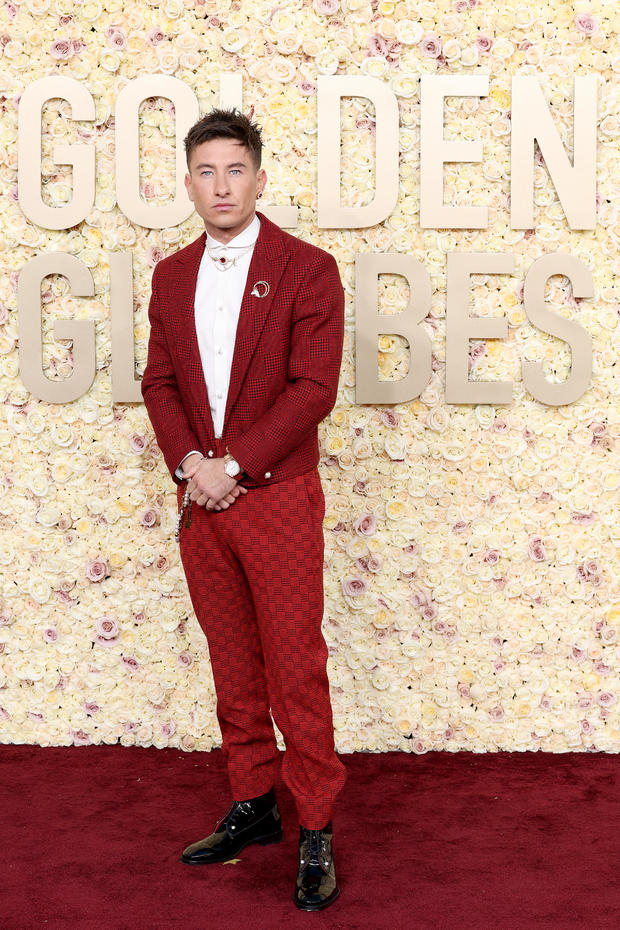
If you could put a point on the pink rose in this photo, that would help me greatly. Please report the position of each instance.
(116, 38)
(390, 418)
(107, 627)
(169, 729)
(130, 662)
(149, 518)
(354, 586)
(91, 707)
(50, 635)
(598, 430)
(155, 36)
(601, 668)
(326, 7)
(80, 738)
(185, 659)
(586, 23)
(536, 550)
(460, 527)
(477, 350)
(365, 525)
(61, 49)
(421, 597)
(606, 698)
(307, 88)
(154, 255)
(375, 562)
(97, 570)
(492, 556)
(584, 518)
(137, 443)
(6, 615)
(430, 46)
(429, 612)
(377, 46)
(497, 712)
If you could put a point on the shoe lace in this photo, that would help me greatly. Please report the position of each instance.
(317, 846)
(238, 809)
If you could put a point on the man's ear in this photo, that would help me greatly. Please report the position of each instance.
(188, 182)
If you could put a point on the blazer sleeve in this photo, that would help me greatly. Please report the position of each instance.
(173, 432)
(315, 357)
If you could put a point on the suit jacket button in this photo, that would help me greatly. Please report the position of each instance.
(210, 452)
(267, 474)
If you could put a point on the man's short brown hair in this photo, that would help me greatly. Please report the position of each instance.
(225, 124)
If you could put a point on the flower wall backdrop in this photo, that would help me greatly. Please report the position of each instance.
(471, 566)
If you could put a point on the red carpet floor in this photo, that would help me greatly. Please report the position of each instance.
(442, 841)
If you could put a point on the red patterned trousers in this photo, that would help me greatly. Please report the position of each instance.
(255, 578)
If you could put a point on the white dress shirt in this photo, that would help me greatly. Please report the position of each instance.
(217, 304)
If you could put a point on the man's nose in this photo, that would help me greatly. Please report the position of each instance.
(221, 183)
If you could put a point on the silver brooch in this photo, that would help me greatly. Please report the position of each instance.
(260, 289)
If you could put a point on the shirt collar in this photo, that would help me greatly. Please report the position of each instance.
(247, 236)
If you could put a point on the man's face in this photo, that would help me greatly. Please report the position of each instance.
(223, 184)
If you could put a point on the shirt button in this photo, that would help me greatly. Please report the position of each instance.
(220, 396)
(220, 350)
(267, 474)
(220, 308)
(210, 453)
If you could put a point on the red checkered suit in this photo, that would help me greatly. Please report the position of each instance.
(255, 570)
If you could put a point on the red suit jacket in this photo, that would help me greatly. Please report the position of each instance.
(285, 367)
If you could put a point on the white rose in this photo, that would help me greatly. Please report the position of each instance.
(408, 32)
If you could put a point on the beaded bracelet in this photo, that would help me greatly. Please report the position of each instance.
(186, 505)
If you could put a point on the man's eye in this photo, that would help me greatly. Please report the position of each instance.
(236, 171)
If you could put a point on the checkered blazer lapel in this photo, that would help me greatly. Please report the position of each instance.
(185, 283)
(269, 260)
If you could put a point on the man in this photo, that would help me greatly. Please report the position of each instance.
(244, 355)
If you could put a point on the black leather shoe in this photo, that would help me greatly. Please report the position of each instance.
(316, 885)
(254, 821)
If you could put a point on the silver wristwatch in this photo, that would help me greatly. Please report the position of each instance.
(231, 466)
